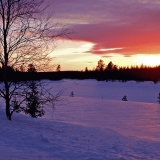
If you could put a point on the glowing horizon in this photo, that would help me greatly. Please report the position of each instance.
(78, 57)
(124, 32)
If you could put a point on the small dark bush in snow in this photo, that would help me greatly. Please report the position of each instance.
(124, 98)
(72, 94)
(158, 98)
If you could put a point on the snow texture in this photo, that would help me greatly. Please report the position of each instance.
(95, 124)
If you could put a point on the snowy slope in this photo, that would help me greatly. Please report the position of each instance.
(85, 129)
(138, 92)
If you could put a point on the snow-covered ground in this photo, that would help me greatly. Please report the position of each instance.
(95, 124)
(139, 92)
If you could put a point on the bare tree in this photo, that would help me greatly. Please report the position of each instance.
(25, 38)
(33, 98)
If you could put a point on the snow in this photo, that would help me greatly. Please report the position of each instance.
(94, 125)
(135, 91)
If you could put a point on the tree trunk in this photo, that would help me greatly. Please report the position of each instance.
(7, 101)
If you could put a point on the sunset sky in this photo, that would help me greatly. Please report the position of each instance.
(126, 32)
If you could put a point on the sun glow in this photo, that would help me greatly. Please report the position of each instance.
(73, 55)
(149, 60)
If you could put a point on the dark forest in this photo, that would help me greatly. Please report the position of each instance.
(109, 72)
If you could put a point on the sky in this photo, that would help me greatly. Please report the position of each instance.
(126, 32)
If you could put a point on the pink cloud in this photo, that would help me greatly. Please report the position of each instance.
(133, 39)
(133, 25)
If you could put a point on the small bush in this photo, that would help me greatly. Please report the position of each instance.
(124, 98)
(158, 98)
(72, 94)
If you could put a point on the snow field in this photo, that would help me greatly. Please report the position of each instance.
(88, 127)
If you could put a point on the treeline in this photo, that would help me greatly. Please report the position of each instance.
(102, 72)
(122, 74)
(137, 73)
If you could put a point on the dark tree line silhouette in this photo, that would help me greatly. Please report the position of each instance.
(102, 72)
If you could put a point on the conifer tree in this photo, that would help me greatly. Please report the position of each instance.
(124, 98)
(158, 98)
(34, 106)
(72, 94)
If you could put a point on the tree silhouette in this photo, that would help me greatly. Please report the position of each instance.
(158, 98)
(31, 68)
(34, 106)
(124, 98)
(72, 94)
(111, 66)
(58, 69)
(86, 69)
(100, 66)
(25, 38)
